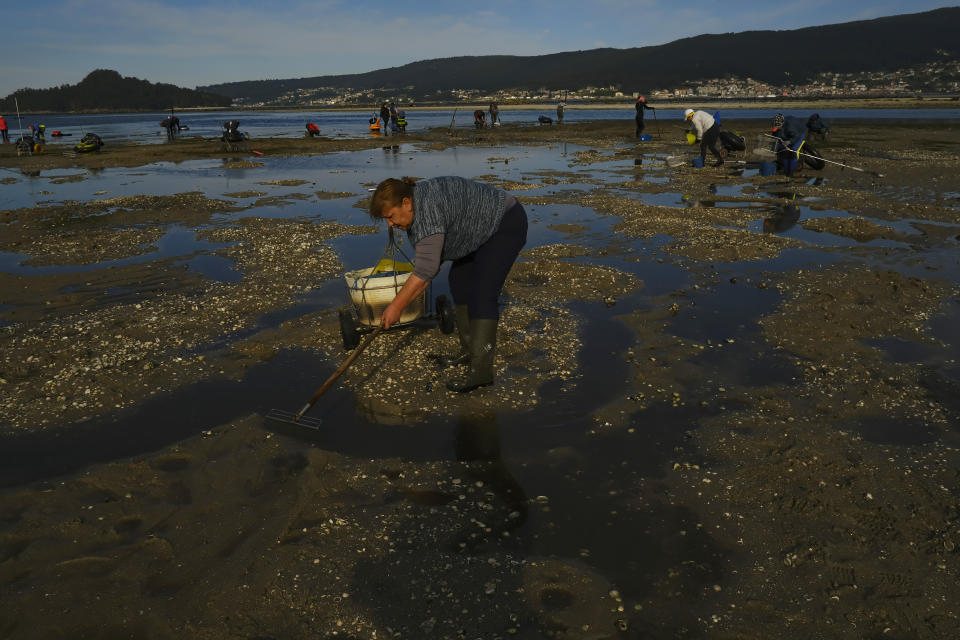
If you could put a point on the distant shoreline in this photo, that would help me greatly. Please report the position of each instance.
(945, 102)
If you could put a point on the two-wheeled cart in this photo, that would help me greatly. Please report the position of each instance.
(372, 289)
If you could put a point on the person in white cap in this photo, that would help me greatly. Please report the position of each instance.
(708, 132)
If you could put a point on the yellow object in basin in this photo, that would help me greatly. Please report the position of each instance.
(389, 264)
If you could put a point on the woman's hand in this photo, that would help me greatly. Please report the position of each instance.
(390, 315)
(412, 288)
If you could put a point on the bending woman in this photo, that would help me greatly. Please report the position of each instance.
(481, 229)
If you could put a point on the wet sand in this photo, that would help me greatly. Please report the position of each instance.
(699, 429)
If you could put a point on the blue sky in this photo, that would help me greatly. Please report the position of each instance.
(47, 43)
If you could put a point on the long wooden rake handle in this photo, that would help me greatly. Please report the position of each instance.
(336, 374)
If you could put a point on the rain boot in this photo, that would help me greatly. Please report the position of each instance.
(483, 346)
(463, 329)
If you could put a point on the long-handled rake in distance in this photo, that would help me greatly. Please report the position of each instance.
(301, 420)
(451, 131)
(772, 149)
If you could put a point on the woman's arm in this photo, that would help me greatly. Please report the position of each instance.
(426, 265)
(412, 288)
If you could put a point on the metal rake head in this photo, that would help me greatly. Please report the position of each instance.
(289, 417)
(766, 146)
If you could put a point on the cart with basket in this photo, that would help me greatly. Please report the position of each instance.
(372, 289)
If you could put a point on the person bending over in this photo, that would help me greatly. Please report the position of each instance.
(707, 130)
(792, 132)
(819, 126)
(481, 229)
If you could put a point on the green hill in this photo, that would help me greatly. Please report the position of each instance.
(105, 90)
(883, 44)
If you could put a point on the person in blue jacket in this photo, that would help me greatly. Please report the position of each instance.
(792, 132)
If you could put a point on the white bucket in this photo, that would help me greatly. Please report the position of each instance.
(371, 293)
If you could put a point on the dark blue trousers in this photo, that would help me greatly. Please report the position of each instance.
(477, 278)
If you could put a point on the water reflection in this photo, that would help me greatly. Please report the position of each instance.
(784, 218)
(478, 441)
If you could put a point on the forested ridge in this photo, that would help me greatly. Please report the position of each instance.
(882, 44)
(106, 90)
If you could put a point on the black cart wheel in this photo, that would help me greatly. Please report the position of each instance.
(445, 312)
(732, 142)
(816, 161)
(349, 331)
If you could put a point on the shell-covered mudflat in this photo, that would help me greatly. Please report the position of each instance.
(725, 403)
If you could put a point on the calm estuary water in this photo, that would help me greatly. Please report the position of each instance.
(145, 127)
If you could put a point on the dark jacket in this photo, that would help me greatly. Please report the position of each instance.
(815, 124)
(640, 106)
(793, 131)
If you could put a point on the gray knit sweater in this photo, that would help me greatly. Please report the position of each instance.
(466, 212)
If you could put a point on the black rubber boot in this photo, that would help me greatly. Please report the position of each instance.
(463, 329)
(483, 347)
